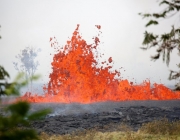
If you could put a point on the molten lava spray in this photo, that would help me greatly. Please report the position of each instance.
(77, 76)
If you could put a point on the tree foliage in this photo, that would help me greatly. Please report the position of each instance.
(3, 80)
(26, 62)
(167, 42)
(16, 120)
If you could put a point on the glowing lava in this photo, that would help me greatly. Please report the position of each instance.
(77, 76)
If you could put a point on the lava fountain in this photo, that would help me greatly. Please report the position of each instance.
(77, 76)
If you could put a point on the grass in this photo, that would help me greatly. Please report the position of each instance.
(163, 127)
(156, 130)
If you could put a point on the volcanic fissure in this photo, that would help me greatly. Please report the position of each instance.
(78, 77)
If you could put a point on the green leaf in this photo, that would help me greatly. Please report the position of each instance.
(151, 22)
(165, 42)
(177, 7)
(170, 9)
(165, 37)
(20, 76)
(172, 32)
(35, 77)
(148, 38)
(168, 57)
(164, 2)
(15, 125)
(177, 30)
(159, 50)
(158, 15)
(3, 73)
(20, 108)
(155, 56)
(145, 15)
(170, 75)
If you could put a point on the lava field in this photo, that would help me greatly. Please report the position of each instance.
(103, 116)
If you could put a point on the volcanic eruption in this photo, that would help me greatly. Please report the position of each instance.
(77, 76)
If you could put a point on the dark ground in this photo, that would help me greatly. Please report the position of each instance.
(104, 116)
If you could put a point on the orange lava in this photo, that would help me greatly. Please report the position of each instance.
(77, 76)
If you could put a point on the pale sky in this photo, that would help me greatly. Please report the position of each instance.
(32, 22)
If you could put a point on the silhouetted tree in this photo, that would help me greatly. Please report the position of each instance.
(15, 118)
(166, 42)
(27, 61)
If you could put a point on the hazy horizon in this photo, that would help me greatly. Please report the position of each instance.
(32, 23)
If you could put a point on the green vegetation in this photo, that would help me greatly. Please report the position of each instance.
(3, 81)
(15, 118)
(167, 42)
